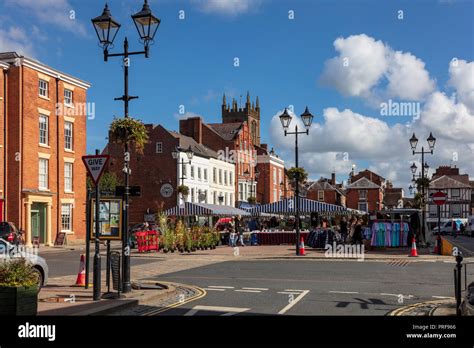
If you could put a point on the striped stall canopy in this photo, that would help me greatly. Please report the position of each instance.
(204, 209)
(188, 209)
(288, 206)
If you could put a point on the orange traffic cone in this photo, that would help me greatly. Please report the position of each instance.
(302, 247)
(81, 276)
(413, 252)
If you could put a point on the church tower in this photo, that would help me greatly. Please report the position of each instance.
(250, 113)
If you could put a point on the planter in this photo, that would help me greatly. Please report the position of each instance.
(15, 301)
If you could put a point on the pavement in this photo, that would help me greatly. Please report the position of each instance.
(464, 243)
(255, 280)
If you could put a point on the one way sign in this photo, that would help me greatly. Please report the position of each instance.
(95, 166)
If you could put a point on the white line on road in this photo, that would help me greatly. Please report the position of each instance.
(220, 287)
(228, 310)
(262, 289)
(247, 290)
(295, 290)
(288, 293)
(344, 292)
(211, 289)
(396, 295)
(441, 297)
(295, 301)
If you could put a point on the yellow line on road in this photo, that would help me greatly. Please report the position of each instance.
(201, 294)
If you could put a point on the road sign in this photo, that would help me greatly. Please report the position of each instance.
(439, 198)
(133, 191)
(95, 166)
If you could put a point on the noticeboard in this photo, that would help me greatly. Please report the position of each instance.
(110, 219)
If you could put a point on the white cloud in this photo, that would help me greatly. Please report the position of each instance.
(372, 70)
(444, 116)
(15, 39)
(55, 12)
(227, 7)
(407, 77)
(462, 79)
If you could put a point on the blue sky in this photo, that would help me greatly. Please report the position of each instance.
(281, 61)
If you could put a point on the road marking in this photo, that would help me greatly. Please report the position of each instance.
(441, 297)
(295, 290)
(262, 289)
(295, 301)
(288, 293)
(200, 294)
(344, 292)
(247, 290)
(228, 310)
(396, 295)
(220, 287)
(211, 289)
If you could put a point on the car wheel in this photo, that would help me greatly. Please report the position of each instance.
(40, 277)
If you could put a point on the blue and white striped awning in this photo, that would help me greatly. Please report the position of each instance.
(204, 209)
(288, 206)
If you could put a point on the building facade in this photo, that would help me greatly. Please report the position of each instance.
(44, 138)
(365, 191)
(458, 190)
(328, 191)
(159, 174)
(272, 183)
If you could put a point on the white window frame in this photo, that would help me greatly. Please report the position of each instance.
(68, 100)
(363, 204)
(68, 181)
(43, 88)
(43, 174)
(192, 172)
(68, 215)
(68, 135)
(363, 194)
(43, 132)
(455, 190)
(320, 195)
(159, 147)
(205, 174)
(199, 173)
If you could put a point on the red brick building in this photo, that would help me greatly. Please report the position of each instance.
(233, 143)
(158, 173)
(43, 178)
(273, 184)
(328, 191)
(365, 191)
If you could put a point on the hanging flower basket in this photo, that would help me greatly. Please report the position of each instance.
(129, 130)
(183, 189)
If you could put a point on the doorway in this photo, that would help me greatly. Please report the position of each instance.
(38, 222)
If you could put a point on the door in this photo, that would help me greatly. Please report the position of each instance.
(38, 222)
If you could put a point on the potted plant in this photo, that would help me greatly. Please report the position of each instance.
(252, 200)
(129, 130)
(18, 288)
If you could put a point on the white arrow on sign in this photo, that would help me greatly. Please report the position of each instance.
(95, 166)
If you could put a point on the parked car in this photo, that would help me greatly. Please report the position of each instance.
(9, 251)
(447, 226)
(10, 233)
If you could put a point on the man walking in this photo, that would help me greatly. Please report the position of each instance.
(239, 229)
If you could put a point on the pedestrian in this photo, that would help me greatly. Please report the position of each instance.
(239, 230)
(454, 226)
(343, 226)
(357, 238)
(232, 236)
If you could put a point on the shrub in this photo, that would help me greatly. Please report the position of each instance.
(18, 272)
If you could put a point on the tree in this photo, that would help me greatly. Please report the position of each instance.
(108, 182)
(293, 171)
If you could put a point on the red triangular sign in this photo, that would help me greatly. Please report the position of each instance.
(95, 166)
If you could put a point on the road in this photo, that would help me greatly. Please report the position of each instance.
(66, 262)
(299, 287)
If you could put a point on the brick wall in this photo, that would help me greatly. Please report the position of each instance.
(150, 170)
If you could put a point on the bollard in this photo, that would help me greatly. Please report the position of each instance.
(458, 278)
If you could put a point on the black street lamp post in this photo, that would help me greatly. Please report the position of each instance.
(189, 153)
(106, 28)
(431, 143)
(285, 119)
